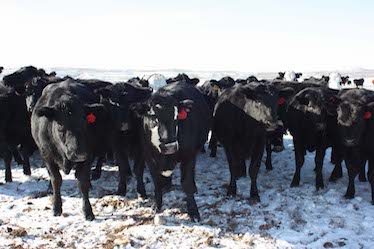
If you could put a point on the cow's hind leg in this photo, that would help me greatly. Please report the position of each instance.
(96, 173)
(139, 166)
(231, 189)
(268, 162)
(188, 185)
(26, 161)
(56, 182)
(371, 179)
(299, 158)
(8, 169)
(256, 157)
(82, 174)
(362, 173)
(320, 155)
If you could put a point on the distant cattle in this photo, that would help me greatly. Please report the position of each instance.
(183, 78)
(243, 115)
(176, 124)
(1, 69)
(359, 82)
(288, 76)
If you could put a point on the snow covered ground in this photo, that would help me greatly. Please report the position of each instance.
(285, 218)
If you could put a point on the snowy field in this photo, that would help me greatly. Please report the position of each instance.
(285, 218)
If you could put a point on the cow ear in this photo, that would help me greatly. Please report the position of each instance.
(187, 104)
(286, 92)
(141, 109)
(98, 110)
(48, 112)
(195, 81)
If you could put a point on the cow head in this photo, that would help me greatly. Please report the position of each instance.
(20, 78)
(70, 119)
(161, 117)
(353, 117)
(33, 91)
(119, 97)
(310, 102)
(261, 103)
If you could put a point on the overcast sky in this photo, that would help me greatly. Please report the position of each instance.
(266, 35)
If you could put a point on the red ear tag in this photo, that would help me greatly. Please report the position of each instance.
(182, 115)
(367, 115)
(281, 101)
(372, 81)
(91, 118)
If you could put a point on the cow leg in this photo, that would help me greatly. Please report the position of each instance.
(213, 145)
(189, 187)
(362, 173)
(96, 173)
(371, 179)
(353, 171)
(123, 165)
(268, 163)
(256, 157)
(139, 166)
(82, 174)
(8, 170)
(26, 162)
(337, 173)
(17, 157)
(56, 182)
(158, 187)
(320, 155)
(231, 189)
(299, 158)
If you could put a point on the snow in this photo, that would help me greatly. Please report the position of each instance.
(156, 81)
(286, 217)
(290, 76)
(335, 81)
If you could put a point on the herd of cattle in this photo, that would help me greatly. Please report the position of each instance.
(73, 122)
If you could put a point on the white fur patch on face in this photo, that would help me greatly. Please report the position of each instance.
(124, 126)
(175, 113)
(155, 138)
(167, 173)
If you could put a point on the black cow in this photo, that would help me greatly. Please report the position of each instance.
(211, 90)
(242, 116)
(359, 82)
(176, 125)
(125, 142)
(183, 78)
(63, 126)
(322, 81)
(356, 129)
(1, 69)
(311, 119)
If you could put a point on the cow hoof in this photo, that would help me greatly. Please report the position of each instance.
(57, 212)
(362, 179)
(321, 186)
(269, 167)
(253, 200)
(349, 196)
(194, 216)
(334, 178)
(142, 194)
(27, 172)
(8, 179)
(213, 155)
(95, 175)
(295, 184)
(89, 217)
(121, 192)
(231, 192)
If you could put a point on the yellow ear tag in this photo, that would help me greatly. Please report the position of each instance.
(216, 88)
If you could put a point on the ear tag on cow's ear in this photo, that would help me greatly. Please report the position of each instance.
(216, 88)
(367, 115)
(91, 118)
(281, 101)
(182, 115)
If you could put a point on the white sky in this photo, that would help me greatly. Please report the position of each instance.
(267, 35)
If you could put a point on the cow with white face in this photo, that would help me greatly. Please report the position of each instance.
(176, 124)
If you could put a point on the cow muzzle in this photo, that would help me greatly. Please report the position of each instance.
(350, 142)
(170, 148)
